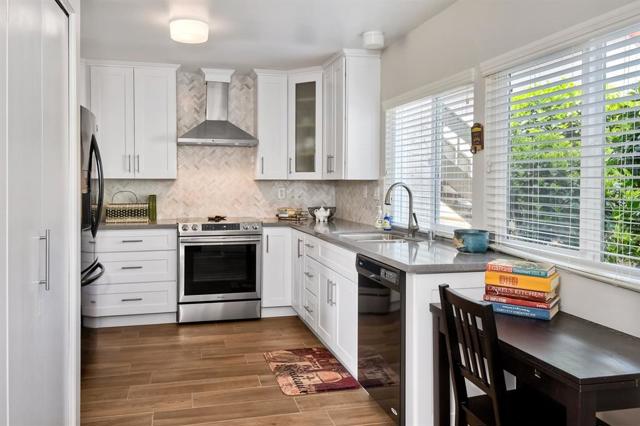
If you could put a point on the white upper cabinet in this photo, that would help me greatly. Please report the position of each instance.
(334, 93)
(155, 123)
(135, 108)
(305, 124)
(271, 122)
(352, 129)
(112, 103)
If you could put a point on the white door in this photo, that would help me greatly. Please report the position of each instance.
(155, 123)
(326, 307)
(305, 125)
(276, 267)
(271, 112)
(112, 104)
(335, 122)
(38, 111)
(297, 284)
(346, 339)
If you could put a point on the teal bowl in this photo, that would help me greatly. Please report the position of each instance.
(471, 240)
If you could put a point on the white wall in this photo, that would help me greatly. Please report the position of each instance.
(472, 31)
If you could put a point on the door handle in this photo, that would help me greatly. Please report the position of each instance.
(129, 161)
(262, 165)
(333, 293)
(47, 261)
(299, 250)
(330, 165)
(290, 168)
(309, 246)
(133, 299)
(138, 163)
(308, 309)
(131, 267)
(131, 241)
(267, 248)
(309, 275)
(329, 292)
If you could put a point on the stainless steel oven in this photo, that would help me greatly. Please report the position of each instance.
(219, 271)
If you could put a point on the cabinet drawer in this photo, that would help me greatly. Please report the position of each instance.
(311, 274)
(311, 246)
(108, 241)
(310, 308)
(129, 299)
(138, 267)
(335, 258)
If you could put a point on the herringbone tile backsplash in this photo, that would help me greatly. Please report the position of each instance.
(220, 180)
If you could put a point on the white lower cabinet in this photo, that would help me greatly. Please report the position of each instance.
(139, 285)
(324, 276)
(276, 267)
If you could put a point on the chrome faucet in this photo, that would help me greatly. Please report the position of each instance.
(413, 219)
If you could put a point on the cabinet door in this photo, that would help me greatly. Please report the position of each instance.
(276, 267)
(345, 298)
(297, 259)
(305, 125)
(112, 104)
(271, 114)
(326, 307)
(334, 119)
(155, 123)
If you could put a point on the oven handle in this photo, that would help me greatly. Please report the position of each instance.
(216, 240)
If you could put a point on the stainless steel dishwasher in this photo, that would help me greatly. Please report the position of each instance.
(381, 334)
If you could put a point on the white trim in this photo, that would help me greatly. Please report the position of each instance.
(610, 21)
(593, 273)
(73, 186)
(218, 74)
(4, 216)
(279, 311)
(459, 79)
(116, 63)
(364, 53)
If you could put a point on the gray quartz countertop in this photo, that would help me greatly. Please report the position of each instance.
(422, 257)
(159, 224)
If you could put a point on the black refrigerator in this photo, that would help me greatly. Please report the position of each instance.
(92, 192)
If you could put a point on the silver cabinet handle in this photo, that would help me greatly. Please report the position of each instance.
(131, 241)
(333, 293)
(133, 299)
(308, 309)
(290, 168)
(129, 162)
(262, 165)
(47, 261)
(131, 267)
(267, 248)
(309, 275)
(330, 165)
(138, 163)
(309, 246)
(329, 292)
(299, 249)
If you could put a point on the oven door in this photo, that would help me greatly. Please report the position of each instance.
(214, 269)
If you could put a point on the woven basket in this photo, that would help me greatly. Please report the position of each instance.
(126, 212)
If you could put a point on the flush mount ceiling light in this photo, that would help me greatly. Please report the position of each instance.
(189, 31)
(373, 40)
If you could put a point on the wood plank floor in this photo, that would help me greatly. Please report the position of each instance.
(206, 374)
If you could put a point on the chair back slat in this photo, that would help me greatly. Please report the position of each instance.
(472, 346)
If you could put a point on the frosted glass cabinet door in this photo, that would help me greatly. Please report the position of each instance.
(305, 125)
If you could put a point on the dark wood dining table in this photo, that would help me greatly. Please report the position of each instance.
(585, 366)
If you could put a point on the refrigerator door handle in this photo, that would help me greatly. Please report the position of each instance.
(95, 151)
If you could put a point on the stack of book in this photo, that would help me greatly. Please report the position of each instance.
(522, 288)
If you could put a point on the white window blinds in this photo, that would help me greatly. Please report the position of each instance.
(428, 145)
(563, 154)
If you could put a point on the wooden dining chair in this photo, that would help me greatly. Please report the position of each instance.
(474, 356)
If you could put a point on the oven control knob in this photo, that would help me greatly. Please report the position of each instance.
(185, 227)
(245, 227)
(194, 227)
(255, 227)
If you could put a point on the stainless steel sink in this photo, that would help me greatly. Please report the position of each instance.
(375, 237)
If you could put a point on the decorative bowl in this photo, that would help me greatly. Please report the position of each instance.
(332, 211)
(471, 240)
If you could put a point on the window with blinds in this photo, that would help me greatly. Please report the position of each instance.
(428, 144)
(563, 153)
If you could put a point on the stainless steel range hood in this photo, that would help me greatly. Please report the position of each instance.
(216, 130)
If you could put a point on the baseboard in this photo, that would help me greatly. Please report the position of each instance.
(126, 320)
(280, 311)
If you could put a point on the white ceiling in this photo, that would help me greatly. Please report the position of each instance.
(244, 34)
